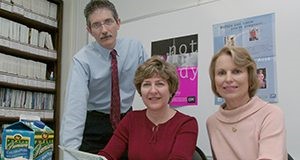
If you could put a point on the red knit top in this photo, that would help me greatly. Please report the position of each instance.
(174, 139)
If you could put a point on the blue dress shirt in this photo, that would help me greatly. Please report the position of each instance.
(89, 85)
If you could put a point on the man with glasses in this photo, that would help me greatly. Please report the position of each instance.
(86, 124)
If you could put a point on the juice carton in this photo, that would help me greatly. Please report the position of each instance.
(27, 140)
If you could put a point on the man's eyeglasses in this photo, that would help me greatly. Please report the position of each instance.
(106, 23)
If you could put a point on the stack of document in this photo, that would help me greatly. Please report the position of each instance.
(80, 155)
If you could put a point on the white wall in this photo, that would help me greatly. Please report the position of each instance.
(141, 9)
(175, 20)
(74, 37)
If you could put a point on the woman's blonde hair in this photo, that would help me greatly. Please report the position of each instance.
(241, 57)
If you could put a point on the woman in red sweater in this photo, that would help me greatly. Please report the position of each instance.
(158, 132)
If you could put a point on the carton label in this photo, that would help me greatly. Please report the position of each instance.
(43, 146)
(17, 146)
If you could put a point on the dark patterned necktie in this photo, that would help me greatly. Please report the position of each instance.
(115, 91)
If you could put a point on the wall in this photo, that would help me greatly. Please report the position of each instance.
(153, 7)
(173, 19)
(74, 37)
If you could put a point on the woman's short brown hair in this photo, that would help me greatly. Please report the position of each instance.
(241, 57)
(156, 66)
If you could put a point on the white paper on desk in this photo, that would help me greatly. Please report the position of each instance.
(80, 155)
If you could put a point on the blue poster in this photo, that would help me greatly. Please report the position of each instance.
(257, 35)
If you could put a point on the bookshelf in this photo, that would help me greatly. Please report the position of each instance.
(30, 61)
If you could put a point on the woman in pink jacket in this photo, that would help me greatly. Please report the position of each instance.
(245, 127)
